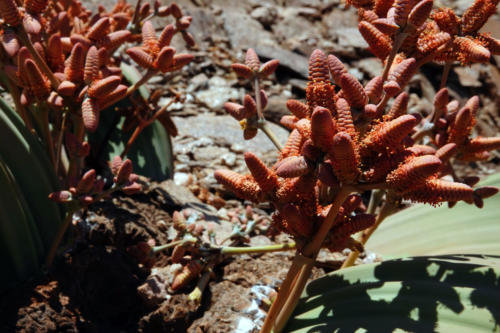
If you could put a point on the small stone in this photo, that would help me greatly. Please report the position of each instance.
(266, 15)
(182, 179)
(237, 148)
(229, 159)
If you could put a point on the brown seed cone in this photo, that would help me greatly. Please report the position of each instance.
(419, 150)
(420, 13)
(486, 191)
(386, 26)
(366, 15)
(476, 15)
(90, 114)
(86, 183)
(297, 108)
(337, 68)
(115, 95)
(189, 272)
(353, 91)
(327, 176)
(242, 186)
(413, 172)
(115, 164)
(268, 68)
(351, 226)
(323, 128)
(446, 152)
(345, 157)
(91, 71)
(237, 111)
(166, 58)
(175, 10)
(100, 89)
(75, 66)
(350, 204)
(389, 135)
(124, 172)
(10, 13)
(166, 36)
(289, 121)
(399, 107)
(293, 166)
(66, 88)
(470, 51)
(441, 99)
(181, 60)
(344, 119)
(250, 106)
(99, 29)
(461, 127)
(293, 144)
(252, 60)
(403, 72)
(35, 6)
(380, 45)
(141, 57)
(402, 10)
(77, 38)
(265, 177)
(320, 94)
(492, 44)
(311, 152)
(374, 89)
(430, 43)
(380, 165)
(242, 70)
(299, 224)
(382, 6)
(39, 84)
(304, 127)
(250, 133)
(435, 191)
(178, 253)
(391, 88)
(447, 20)
(149, 40)
(482, 144)
(114, 39)
(318, 68)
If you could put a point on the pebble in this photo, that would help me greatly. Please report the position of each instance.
(182, 178)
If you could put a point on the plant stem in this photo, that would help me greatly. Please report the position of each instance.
(59, 142)
(59, 236)
(195, 295)
(257, 249)
(398, 41)
(446, 73)
(172, 244)
(261, 122)
(270, 134)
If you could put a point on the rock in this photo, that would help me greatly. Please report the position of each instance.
(175, 195)
(292, 61)
(209, 154)
(469, 76)
(226, 129)
(218, 92)
(266, 15)
(276, 108)
(244, 32)
(229, 159)
(371, 66)
(182, 178)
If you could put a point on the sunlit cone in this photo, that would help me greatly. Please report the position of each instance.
(141, 57)
(91, 71)
(177, 253)
(402, 10)
(435, 191)
(477, 14)
(311, 152)
(399, 107)
(351, 203)
(337, 68)
(66, 88)
(31, 24)
(289, 121)
(39, 84)
(10, 42)
(293, 166)
(382, 6)
(391, 88)
(300, 225)
(123, 173)
(430, 43)
(242, 186)
(380, 45)
(99, 29)
(419, 150)
(114, 39)
(446, 152)
(149, 39)
(268, 68)
(441, 99)
(385, 26)
(166, 58)
(90, 114)
(184, 22)
(492, 44)
(175, 10)
(75, 66)
(413, 172)
(86, 183)
(265, 177)
(326, 175)
(344, 119)
(420, 13)
(182, 59)
(318, 67)
(389, 135)
(322, 128)
(293, 144)
(353, 91)
(54, 50)
(297, 108)
(447, 20)
(188, 38)
(345, 157)
(459, 131)
(367, 15)
(189, 272)
(82, 40)
(115, 95)
(482, 144)
(403, 72)
(101, 88)
(374, 89)
(242, 70)
(10, 13)
(250, 106)
(236, 110)
(252, 60)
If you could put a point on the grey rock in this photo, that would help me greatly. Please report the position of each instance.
(266, 15)
(217, 93)
(244, 32)
(371, 66)
(209, 153)
(293, 61)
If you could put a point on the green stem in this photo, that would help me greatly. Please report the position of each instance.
(160, 248)
(258, 249)
(270, 134)
(195, 295)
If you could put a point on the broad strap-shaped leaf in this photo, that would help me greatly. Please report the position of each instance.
(449, 293)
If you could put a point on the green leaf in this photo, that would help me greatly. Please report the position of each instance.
(426, 230)
(453, 293)
(151, 153)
